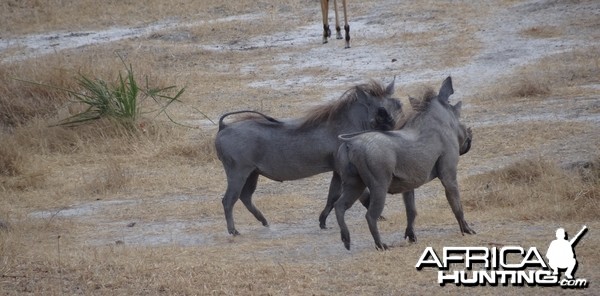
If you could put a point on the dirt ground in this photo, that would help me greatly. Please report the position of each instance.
(282, 69)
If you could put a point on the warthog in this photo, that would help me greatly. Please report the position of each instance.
(292, 149)
(426, 147)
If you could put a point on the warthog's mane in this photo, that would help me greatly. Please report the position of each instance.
(419, 106)
(328, 112)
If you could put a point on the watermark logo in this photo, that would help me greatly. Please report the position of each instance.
(508, 265)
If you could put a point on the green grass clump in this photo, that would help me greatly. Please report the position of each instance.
(120, 102)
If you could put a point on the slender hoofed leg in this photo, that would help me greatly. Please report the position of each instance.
(346, 25)
(338, 29)
(324, 12)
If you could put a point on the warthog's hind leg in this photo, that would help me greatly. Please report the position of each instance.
(246, 198)
(235, 182)
(332, 197)
(376, 206)
(365, 199)
(352, 189)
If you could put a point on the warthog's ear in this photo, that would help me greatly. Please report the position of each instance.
(446, 90)
(413, 102)
(389, 90)
(456, 108)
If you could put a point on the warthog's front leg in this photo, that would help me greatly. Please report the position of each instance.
(411, 214)
(335, 188)
(453, 197)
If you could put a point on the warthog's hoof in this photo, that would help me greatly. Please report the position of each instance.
(234, 232)
(381, 247)
(410, 234)
(464, 228)
(346, 242)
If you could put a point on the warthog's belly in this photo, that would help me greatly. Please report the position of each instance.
(401, 185)
(293, 172)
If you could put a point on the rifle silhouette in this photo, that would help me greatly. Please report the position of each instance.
(575, 239)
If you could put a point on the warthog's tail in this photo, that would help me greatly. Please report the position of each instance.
(346, 137)
(222, 124)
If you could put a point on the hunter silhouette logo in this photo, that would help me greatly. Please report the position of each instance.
(561, 253)
(508, 265)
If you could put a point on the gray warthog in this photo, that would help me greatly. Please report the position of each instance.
(292, 149)
(426, 147)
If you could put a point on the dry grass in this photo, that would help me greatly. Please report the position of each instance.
(22, 101)
(552, 75)
(91, 182)
(11, 160)
(32, 16)
(537, 189)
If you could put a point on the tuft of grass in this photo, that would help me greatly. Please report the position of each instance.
(530, 86)
(120, 102)
(550, 75)
(538, 189)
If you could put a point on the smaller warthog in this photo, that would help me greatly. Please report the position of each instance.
(291, 149)
(426, 147)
